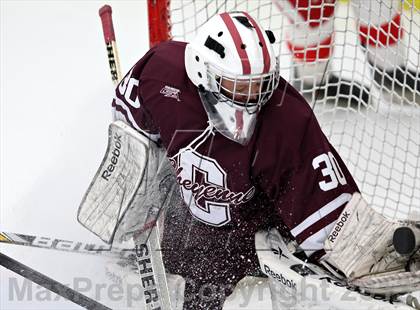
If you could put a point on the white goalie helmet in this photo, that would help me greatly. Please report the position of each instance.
(232, 62)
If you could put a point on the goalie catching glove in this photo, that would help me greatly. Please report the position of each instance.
(296, 283)
(361, 247)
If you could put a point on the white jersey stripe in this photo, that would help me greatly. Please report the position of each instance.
(122, 104)
(316, 241)
(325, 210)
(117, 115)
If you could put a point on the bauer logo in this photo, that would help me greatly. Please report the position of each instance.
(170, 92)
(338, 226)
(279, 277)
(113, 161)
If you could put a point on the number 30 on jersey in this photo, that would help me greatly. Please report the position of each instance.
(329, 169)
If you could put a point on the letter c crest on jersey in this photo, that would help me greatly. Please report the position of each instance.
(204, 188)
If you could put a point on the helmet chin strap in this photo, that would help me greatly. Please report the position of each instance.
(195, 144)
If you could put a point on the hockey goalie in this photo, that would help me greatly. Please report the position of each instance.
(216, 146)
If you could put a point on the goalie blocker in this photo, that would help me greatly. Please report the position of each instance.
(361, 265)
(132, 186)
(116, 182)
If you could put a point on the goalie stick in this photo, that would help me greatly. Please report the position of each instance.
(157, 296)
(111, 46)
(50, 284)
(63, 245)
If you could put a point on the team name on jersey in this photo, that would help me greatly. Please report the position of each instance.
(213, 192)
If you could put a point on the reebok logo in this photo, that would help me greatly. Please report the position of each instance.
(170, 92)
(278, 252)
(114, 159)
(338, 226)
(280, 278)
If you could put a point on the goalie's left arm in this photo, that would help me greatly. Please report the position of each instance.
(310, 188)
(306, 182)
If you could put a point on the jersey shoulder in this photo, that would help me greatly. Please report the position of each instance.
(287, 114)
(166, 63)
(283, 124)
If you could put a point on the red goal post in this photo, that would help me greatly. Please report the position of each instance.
(159, 21)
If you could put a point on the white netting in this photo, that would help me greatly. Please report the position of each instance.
(378, 140)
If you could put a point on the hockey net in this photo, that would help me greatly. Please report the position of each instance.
(374, 47)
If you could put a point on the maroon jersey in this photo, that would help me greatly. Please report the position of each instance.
(287, 176)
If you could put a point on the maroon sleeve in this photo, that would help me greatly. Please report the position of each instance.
(306, 181)
(317, 191)
(127, 103)
(146, 98)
